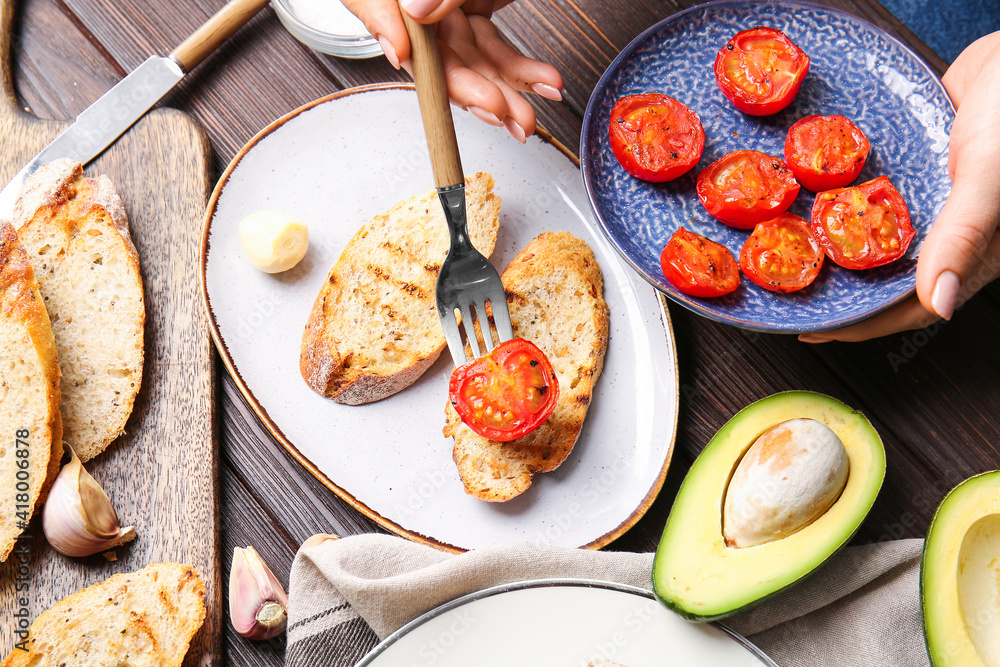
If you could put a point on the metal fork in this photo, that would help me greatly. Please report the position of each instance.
(466, 281)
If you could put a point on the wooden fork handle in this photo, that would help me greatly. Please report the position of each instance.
(435, 109)
(216, 30)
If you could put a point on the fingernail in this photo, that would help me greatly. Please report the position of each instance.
(418, 9)
(514, 128)
(813, 338)
(945, 294)
(390, 53)
(547, 91)
(485, 116)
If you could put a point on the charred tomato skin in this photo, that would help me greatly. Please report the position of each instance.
(826, 152)
(760, 70)
(782, 255)
(698, 266)
(507, 393)
(655, 137)
(863, 226)
(743, 188)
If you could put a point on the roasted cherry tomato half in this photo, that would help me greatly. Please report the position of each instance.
(782, 255)
(743, 188)
(864, 226)
(826, 152)
(507, 393)
(760, 71)
(655, 137)
(698, 266)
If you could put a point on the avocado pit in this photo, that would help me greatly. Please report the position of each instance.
(790, 476)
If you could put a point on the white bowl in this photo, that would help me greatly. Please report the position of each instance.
(340, 35)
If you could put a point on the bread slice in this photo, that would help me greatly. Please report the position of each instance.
(555, 294)
(140, 619)
(76, 236)
(29, 393)
(374, 328)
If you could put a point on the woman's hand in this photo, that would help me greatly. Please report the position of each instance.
(961, 254)
(484, 74)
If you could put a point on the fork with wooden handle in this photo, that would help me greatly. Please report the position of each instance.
(467, 281)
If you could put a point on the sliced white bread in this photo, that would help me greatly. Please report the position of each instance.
(374, 327)
(77, 239)
(29, 393)
(141, 619)
(555, 295)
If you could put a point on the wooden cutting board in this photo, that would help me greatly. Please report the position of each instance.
(162, 475)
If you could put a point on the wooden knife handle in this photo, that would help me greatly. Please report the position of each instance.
(216, 30)
(432, 95)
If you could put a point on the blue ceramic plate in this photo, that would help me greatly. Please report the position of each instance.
(856, 70)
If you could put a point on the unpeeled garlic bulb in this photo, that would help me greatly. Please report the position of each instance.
(257, 602)
(78, 518)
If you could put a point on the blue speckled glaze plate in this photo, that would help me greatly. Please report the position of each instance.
(856, 70)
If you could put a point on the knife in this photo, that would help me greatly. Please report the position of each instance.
(117, 110)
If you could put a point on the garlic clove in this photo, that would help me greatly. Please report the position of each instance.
(257, 601)
(79, 519)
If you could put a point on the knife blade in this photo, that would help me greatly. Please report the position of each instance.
(100, 124)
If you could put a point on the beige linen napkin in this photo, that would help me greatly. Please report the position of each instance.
(861, 608)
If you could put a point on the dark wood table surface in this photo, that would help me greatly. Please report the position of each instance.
(933, 395)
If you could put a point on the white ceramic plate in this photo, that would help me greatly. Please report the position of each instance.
(561, 623)
(338, 162)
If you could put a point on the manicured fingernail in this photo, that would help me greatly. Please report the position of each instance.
(418, 9)
(813, 338)
(945, 294)
(514, 128)
(390, 53)
(547, 91)
(485, 116)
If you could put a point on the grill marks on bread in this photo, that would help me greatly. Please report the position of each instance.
(144, 619)
(374, 329)
(555, 295)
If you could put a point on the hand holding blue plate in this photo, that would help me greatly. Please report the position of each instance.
(856, 70)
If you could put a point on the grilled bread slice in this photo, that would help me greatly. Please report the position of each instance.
(76, 236)
(29, 393)
(555, 294)
(374, 328)
(144, 618)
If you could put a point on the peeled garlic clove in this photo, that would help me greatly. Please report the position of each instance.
(78, 518)
(274, 241)
(789, 477)
(257, 602)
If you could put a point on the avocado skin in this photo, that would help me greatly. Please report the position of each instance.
(940, 523)
(849, 527)
(696, 618)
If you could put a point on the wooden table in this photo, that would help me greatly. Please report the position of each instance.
(933, 395)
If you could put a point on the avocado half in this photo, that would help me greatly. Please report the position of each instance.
(701, 578)
(960, 576)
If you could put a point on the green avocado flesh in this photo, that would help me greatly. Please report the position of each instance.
(696, 574)
(960, 576)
